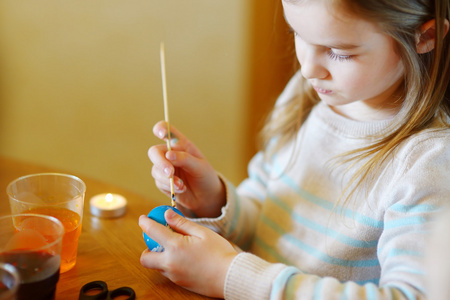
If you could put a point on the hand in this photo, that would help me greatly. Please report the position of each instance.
(197, 185)
(194, 256)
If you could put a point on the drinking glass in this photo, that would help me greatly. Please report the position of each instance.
(57, 195)
(31, 243)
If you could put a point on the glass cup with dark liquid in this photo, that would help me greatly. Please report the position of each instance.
(31, 243)
(57, 195)
(9, 282)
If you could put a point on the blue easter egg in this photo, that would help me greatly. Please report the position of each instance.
(157, 214)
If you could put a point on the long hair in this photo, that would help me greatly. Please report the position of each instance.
(425, 90)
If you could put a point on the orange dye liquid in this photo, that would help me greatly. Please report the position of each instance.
(72, 230)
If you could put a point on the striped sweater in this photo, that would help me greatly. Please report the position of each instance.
(301, 244)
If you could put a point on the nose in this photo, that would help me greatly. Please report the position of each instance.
(311, 70)
(310, 64)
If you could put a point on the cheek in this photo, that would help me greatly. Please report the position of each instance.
(388, 74)
(353, 81)
(370, 80)
(298, 49)
(388, 69)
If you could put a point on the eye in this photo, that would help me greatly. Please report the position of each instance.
(338, 57)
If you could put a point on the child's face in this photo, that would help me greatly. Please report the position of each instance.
(351, 64)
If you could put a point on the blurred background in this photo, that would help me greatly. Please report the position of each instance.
(80, 82)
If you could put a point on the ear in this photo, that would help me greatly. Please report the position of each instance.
(426, 37)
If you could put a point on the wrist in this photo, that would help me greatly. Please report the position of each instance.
(211, 206)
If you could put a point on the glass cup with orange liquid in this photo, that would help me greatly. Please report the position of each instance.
(53, 194)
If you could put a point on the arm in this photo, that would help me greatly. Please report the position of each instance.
(239, 217)
(204, 195)
(196, 257)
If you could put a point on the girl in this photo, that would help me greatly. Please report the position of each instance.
(354, 165)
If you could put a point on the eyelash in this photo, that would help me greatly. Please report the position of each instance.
(330, 53)
(340, 58)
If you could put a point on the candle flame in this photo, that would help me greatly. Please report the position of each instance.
(109, 198)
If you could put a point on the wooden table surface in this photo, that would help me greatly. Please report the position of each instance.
(109, 249)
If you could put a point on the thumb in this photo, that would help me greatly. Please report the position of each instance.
(181, 225)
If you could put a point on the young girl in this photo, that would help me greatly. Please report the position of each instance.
(355, 164)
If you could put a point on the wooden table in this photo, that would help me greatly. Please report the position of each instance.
(109, 249)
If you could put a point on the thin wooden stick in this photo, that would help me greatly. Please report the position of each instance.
(166, 114)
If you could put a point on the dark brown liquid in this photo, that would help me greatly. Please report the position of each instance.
(38, 271)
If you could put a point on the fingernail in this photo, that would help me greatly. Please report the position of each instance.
(167, 171)
(161, 134)
(170, 214)
(170, 155)
(141, 219)
(179, 184)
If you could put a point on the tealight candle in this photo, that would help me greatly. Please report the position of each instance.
(108, 205)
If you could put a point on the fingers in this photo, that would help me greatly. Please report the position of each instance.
(150, 260)
(182, 225)
(165, 237)
(158, 233)
(169, 237)
(160, 131)
(163, 169)
(153, 229)
(189, 163)
(178, 140)
(164, 162)
(162, 159)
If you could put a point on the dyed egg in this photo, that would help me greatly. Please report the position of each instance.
(157, 214)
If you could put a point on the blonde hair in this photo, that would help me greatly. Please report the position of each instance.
(425, 87)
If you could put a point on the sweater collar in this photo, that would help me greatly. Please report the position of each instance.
(348, 127)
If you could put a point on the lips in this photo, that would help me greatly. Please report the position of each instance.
(322, 91)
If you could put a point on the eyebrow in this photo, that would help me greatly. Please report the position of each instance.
(338, 45)
(342, 46)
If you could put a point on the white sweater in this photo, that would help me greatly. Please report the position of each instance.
(301, 246)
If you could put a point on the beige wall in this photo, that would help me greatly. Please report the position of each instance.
(80, 84)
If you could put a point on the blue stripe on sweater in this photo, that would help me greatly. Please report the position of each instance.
(375, 281)
(415, 208)
(271, 251)
(347, 292)
(254, 176)
(409, 221)
(371, 291)
(318, 288)
(403, 252)
(329, 206)
(402, 269)
(316, 253)
(406, 292)
(236, 215)
(323, 229)
(281, 281)
(252, 189)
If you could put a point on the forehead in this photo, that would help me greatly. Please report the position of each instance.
(320, 22)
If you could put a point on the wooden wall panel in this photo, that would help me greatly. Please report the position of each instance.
(273, 62)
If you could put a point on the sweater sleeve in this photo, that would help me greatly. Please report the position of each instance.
(239, 217)
(416, 191)
(251, 277)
